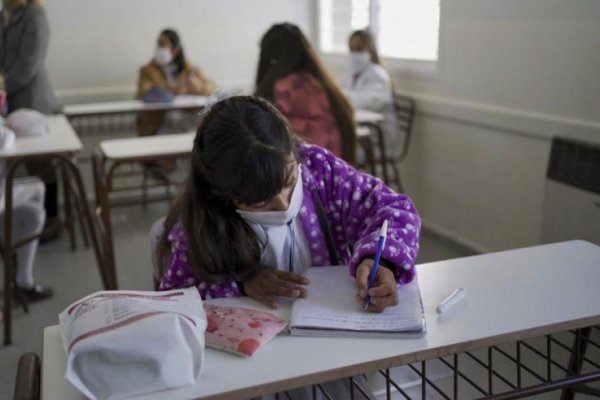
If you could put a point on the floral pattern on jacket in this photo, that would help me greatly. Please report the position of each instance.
(355, 204)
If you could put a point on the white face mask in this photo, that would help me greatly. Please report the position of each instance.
(278, 218)
(359, 61)
(163, 56)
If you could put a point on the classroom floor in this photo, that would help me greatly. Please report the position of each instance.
(73, 275)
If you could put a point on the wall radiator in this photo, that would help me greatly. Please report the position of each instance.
(572, 195)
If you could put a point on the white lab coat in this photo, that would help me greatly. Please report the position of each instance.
(372, 90)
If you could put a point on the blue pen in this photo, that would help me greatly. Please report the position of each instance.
(373, 275)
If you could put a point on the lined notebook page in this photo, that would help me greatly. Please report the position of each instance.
(330, 309)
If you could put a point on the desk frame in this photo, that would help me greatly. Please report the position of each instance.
(104, 172)
(573, 382)
(132, 110)
(482, 329)
(73, 185)
(378, 131)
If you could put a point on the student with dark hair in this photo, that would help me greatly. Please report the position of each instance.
(291, 76)
(259, 207)
(169, 73)
(368, 85)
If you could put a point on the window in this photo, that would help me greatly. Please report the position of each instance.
(403, 29)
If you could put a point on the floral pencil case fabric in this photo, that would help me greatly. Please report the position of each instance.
(239, 330)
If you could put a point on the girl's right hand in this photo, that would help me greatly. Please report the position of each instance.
(270, 282)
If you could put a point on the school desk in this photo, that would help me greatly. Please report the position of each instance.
(181, 102)
(111, 154)
(59, 145)
(512, 296)
(115, 116)
(369, 125)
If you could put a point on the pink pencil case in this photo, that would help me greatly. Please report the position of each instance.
(238, 330)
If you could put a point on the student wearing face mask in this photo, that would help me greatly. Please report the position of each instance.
(169, 73)
(259, 207)
(368, 85)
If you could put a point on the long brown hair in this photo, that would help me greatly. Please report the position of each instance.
(241, 153)
(284, 49)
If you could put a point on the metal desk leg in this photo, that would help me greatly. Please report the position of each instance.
(103, 185)
(576, 360)
(68, 210)
(8, 250)
(105, 272)
(382, 151)
(367, 145)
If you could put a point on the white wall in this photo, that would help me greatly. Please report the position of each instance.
(536, 55)
(97, 47)
(511, 74)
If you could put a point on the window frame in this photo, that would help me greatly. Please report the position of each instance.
(412, 67)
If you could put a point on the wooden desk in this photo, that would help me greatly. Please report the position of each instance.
(61, 143)
(512, 295)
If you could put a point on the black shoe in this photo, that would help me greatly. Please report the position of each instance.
(36, 293)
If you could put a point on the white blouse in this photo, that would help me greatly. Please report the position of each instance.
(281, 233)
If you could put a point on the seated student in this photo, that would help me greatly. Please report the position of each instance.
(29, 217)
(368, 85)
(169, 73)
(291, 76)
(259, 207)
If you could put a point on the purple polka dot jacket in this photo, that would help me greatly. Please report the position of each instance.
(355, 204)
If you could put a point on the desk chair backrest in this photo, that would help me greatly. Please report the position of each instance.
(405, 114)
(156, 233)
(27, 384)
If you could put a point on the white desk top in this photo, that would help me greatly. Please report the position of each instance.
(367, 117)
(165, 145)
(114, 107)
(61, 139)
(511, 295)
(147, 146)
(180, 102)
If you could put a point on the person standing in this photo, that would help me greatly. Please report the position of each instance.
(24, 36)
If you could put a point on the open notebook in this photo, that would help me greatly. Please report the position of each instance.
(330, 309)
